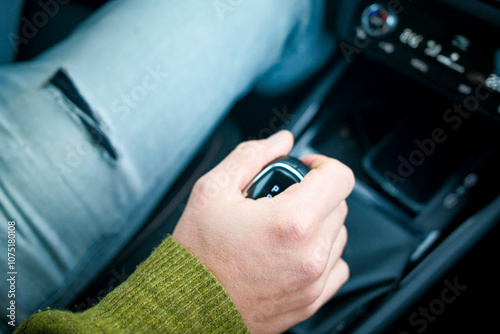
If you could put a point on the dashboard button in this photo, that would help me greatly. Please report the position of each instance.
(378, 21)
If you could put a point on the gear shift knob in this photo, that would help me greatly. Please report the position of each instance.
(276, 177)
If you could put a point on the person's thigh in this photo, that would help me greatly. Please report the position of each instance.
(159, 76)
(10, 12)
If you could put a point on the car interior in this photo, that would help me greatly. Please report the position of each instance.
(410, 101)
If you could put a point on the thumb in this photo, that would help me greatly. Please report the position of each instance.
(249, 157)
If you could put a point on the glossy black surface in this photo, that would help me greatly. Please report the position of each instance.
(280, 174)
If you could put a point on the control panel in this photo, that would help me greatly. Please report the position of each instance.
(456, 53)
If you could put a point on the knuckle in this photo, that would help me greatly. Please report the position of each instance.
(309, 219)
(343, 208)
(248, 148)
(347, 176)
(312, 294)
(313, 267)
(243, 146)
(292, 231)
(206, 187)
(343, 237)
(341, 173)
(309, 311)
(344, 271)
(295, 227)
(201, 184)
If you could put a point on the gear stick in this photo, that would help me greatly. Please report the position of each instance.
(276, 177)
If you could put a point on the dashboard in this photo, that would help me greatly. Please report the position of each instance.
(451, 46)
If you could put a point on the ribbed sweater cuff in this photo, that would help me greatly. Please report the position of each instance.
(171, 292)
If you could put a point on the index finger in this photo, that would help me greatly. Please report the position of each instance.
(326, 186)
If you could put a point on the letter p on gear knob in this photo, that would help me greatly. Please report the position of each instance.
(276, 177)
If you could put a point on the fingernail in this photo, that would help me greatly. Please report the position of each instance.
(278, 137)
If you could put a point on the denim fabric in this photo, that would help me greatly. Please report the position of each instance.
(10, 11)
(159, 76)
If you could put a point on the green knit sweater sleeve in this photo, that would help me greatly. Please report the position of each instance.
(171, 292)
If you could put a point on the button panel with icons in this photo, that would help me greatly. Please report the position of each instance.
(444, 48)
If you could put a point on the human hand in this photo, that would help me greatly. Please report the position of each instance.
(278, 258)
